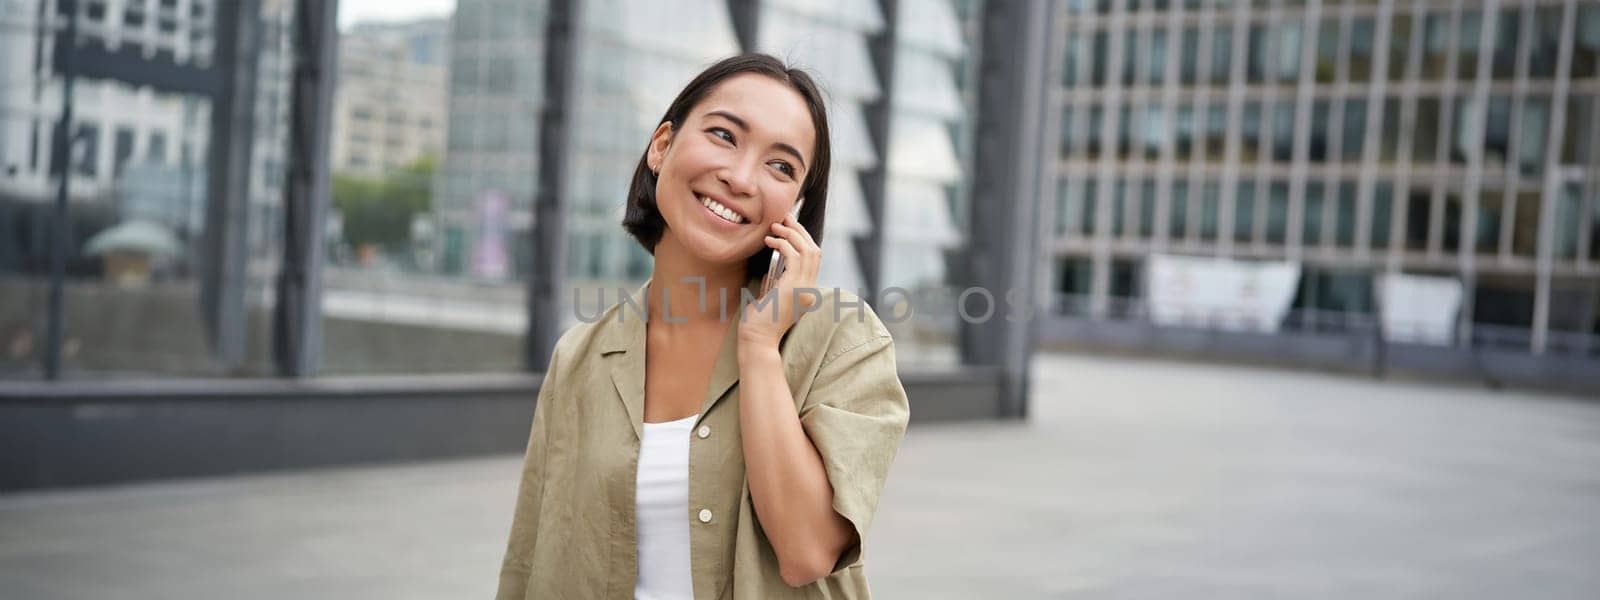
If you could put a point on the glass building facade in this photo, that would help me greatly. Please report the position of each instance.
(1454, 139)
(434, 165)
(139, 242)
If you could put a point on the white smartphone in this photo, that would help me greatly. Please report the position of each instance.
(775, 268)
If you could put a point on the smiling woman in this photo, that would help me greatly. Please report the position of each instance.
(690, 455)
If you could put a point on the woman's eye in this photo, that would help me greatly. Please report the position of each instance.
(726, 135)
(787, 168)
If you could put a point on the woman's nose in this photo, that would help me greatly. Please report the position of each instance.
(740, 177)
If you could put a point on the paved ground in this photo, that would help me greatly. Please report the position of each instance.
(1135, 479)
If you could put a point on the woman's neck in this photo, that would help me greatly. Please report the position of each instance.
(685, 290)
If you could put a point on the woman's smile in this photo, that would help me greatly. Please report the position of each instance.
(720, 213)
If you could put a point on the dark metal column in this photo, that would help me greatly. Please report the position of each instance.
(1006, 187)
(228, 204)
(297, 315)
(548, 268)
(875, 182)
(61, 155)
(746, 15)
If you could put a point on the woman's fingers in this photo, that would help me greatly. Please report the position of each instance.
(784, 247)
(796, 235)
(793, 222)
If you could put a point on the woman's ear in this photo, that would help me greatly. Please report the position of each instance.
(659, 142)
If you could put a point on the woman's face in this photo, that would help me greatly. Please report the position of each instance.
(734, 168)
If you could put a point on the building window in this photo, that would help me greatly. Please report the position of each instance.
(1190, 51)
(1244, 212)
(1355, 129)
(1361, 46)
(1178, 211)
(1221, 45)
(1277, 212)
(1400, 35)
(1069, 64)
(157, 151)
(1311, 215)
(86, 148)
(121, 150)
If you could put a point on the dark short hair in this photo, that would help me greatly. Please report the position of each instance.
(643, 220)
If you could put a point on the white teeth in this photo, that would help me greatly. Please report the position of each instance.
(718, 209)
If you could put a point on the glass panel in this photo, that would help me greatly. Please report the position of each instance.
(1467, 40)
(1497, 131)
(433, 229)
(1355, 129)
(1417, 217)
(1534, 126)
(1210, 211)
(1425, 138)
(1311, 231)
(1190, 53)
(1154, 130)
(1178, 226)
(1283, 131)
(1250, 131)
(1361, 47)
(1119, 208)
(1400, 36)
(1327, 50)
(1125, 132)
(1586, 52)
(144, 266)
(1321, 135)
(1221, 46)
(1452, 221)
(1092, 130)
(1244, 210)
(1278, 212)
(1130, 57)
(1090, 207)
(1487, 236)
(1382, 214)
(1546, 42)
(1525, 230)
(1583, 126)
(1156, 67)
(1075, 47)
(1064, 145)
(1064, 201)
(1216, 132)
(1435, 46)
(1186, 129)
(1569, 204)
(1146, 192)
(1097, 61)
(1345, 219)
(1507, 28)
(1287, 57)
(1389, 142)
(1258, 65)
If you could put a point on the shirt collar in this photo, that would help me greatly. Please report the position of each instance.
(624, 345)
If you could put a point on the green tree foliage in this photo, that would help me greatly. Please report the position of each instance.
(379, 211)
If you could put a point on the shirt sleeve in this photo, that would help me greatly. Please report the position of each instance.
(517, 565)
(856, 415)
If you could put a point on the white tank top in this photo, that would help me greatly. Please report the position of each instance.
(661, 510)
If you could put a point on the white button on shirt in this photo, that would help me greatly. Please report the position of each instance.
(661, 504)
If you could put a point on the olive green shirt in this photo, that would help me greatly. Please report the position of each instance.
(573, 536)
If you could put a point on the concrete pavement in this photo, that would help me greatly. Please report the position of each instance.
(1133, 479)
